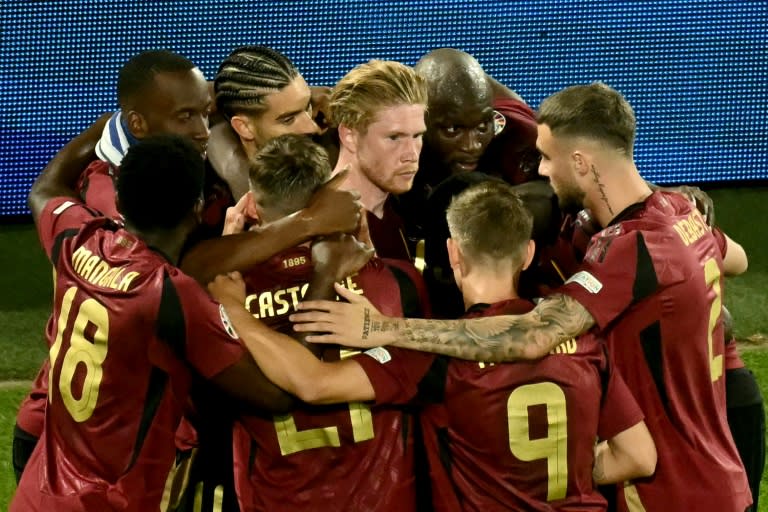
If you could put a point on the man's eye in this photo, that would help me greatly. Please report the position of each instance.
(451, 130)
(484, 127)
(288, 120)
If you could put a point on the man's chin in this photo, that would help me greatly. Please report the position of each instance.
(460, 168)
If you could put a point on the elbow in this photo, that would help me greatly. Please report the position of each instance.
(643, 459)
(311, 392)
(735, 261)
(737, 267)
(645, 465)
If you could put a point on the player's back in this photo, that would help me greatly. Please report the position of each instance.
(520, 436)
(116, 390)
(660, 311)
(338, 457)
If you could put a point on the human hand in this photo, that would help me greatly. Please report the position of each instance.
(228, 287)
(355, 323)
(340, 255)
(234, 219)
(331, 210)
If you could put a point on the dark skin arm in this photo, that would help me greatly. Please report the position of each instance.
(59, 178)
(334, 259)
(329, 211)
(245, 382)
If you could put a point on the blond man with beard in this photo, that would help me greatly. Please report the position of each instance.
(379, 109)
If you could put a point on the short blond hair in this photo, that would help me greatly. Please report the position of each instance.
(490, 223)
(369, 87)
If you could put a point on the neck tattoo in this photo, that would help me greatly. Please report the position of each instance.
(603, 196)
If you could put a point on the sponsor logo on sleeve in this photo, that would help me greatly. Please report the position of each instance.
(227, 324)
(587, 281)
(380, 354)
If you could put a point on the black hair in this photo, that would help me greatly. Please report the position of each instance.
(139, 72)
(160, 181)
(247, 76)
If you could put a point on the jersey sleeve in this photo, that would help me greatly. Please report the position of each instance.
(616, 272)
(619, 410)
(519, 115)
(97, 189)
(394, 373)
(211, 343)
(60, 214)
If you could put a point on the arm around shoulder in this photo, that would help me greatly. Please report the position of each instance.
(735, 261)
(60, 176)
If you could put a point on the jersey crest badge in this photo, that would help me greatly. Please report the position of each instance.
(499, 122)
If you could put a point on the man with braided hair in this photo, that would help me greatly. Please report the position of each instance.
(261, 95)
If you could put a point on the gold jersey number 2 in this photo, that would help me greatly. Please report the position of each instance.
(81, 350)
(292, 440)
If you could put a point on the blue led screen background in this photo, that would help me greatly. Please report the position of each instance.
(695, 71)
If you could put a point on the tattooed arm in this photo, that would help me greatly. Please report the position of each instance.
(532, 335)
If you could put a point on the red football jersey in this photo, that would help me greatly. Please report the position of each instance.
(340, 457)
(127, 327)
(514, 436)
(511, 153)
(388, 233)
(653, 282)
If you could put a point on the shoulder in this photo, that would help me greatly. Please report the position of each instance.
(515, 110)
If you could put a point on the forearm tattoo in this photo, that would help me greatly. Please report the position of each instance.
(555, 319)
(366, 323)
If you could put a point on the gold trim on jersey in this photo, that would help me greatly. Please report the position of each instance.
(632, 498)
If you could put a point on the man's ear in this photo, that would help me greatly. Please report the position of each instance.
(530, 251)
(137, 124)
(580, 162)
(252, 207)
(348, 137)
(455, 256)
(242, 126)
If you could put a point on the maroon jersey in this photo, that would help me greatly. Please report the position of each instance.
(98, 191)
(733, 359)
(511, 153)
(533, 448)
(341, 457)
(557, 261)
(127, 327)
(653, 282)
(388, 233)
(97, 188)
